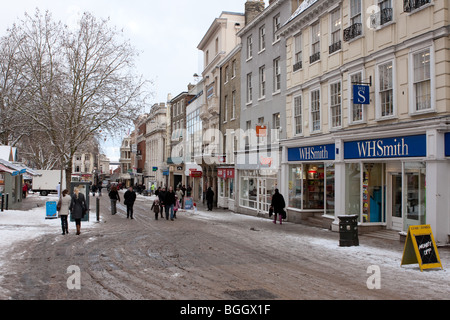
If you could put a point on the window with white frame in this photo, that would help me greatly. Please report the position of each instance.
(249, 47)
(298, 56)
(262, 82)
(276, 75)
(386, 89)
(315, 43)
(336, 23)
(315, 111)
(233, 107)
(233, 69)
(225, 111)
(386, 11)
(336, 105)
(262, 38)
(356, 110)
(276, 27)
(249, 88)
(226, 74)
(422, 80)
(355, 12)
(298, 115)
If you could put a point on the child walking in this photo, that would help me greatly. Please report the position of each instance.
(155, 208)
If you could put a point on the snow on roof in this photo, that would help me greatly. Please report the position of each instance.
(303, 7)
(7, 153)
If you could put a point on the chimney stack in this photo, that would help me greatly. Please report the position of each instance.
(252, 9)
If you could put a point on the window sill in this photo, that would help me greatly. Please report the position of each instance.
(425, 6)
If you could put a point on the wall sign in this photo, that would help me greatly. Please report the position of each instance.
(399, 147)
(315, 153)
(420, 248)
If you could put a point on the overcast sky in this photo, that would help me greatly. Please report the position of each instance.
(165, 32)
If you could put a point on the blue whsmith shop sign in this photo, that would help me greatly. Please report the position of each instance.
(399, 147)
(314, 153)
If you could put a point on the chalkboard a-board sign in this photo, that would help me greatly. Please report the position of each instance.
(420, 248)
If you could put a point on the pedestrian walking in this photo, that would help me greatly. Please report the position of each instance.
(152, 188)
(176, 207)
(209, 198)
(129, 198)
(114, 197)
(100, 187)
(169, 202)
(155, 208)
(161, 197)
(180, 195)
(278, 204)
(63, 211)
(78, 208)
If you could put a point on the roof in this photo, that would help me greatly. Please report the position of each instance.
(302, 8)
(8, 153)
(16, 168)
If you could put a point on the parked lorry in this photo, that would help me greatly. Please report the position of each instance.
(48, 181)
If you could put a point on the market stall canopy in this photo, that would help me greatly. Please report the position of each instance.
(17, 168)
(5, 169)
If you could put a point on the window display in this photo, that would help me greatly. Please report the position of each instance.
(311, 186)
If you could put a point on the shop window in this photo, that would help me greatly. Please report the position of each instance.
(353, 188)
(415, 183)
(311, 187)
(373, 192)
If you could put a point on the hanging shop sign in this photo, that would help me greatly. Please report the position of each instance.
(447, 144)
(361, 94)
(420, 248)
(314, 153)
(195, 174)
(398, 147)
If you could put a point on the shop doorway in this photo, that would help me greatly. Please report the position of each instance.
(395, 210)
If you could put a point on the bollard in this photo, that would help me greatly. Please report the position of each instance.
(3, 201)
(98, 210)
(7, 201)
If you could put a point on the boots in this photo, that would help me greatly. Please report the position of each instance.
(78, 229)
(281, 218)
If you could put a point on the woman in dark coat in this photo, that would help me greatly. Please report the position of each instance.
(278, 204)
(209, 198)
(78, 208)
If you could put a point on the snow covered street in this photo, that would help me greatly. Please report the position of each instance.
(200, 256)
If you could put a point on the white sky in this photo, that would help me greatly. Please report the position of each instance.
(165, 32)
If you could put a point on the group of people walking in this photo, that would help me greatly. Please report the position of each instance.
(76, 205)
(168, 202)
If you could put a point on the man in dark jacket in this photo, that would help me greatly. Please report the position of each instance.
(278, 204)
(209, 198)
(161, 197)
(129, 197)
(169, 202)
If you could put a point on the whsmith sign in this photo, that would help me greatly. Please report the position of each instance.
(399, 147)
(314, 153)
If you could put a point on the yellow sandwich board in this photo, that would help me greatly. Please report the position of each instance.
(420, 248)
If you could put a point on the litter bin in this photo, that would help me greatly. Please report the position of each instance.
(348, 231)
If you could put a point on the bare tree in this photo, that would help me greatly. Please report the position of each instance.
(75, 82)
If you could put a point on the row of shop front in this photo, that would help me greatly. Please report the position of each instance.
(390, 178)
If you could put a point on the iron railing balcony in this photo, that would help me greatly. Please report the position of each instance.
(353, 31)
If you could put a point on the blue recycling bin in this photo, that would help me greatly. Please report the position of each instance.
(50, 210)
